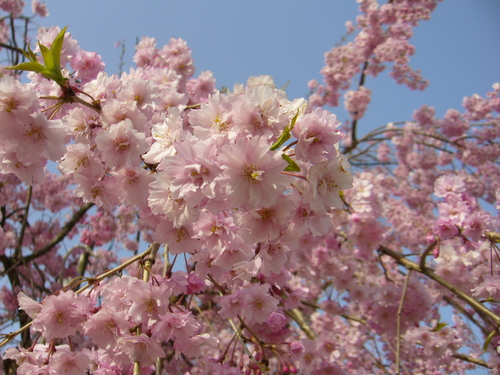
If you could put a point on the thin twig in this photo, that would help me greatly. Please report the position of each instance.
(475, 304)
(398, 326)
(91, 282)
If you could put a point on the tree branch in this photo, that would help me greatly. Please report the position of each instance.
(475, 304)
(61, 235)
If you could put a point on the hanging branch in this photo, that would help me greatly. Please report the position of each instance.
(475, 304)
(90, 282)
(61, 235)
(398, 326)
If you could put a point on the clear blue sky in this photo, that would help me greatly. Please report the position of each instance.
(458, 50)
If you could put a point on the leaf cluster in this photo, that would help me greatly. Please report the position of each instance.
(51, 58)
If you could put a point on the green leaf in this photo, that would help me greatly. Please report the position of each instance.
(285, 136)
(53, 70)
(48, 59)
(55, 76)
(488, 339)
(439, 326)
(57, 47)
(292, 166)
(31, 66)
(30, 54)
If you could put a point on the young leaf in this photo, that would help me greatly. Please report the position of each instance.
(57, 47)
(292, 166)
(51, 58)
(488, 339)
(48, 59)
(285, 136)
(439, 326)
(31, 66)
(30, 54)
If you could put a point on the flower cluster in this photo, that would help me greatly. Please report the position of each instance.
(217, 180)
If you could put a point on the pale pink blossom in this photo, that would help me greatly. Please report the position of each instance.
(264, 224)
(192, 171)
(61, 315)
(258, 112)
(30, 307)
(489, 287)
(87, 65)
(106, 326)
(39, 8)
(81, 159)
(177, 325)
(252, 173)
(148, 302)
(195, 346)
(165, 134)
(214, 117)
(121, 145)
(326, 180)
(181, 239)
(69, 363)
(101, 192)
(448, 184)
(258, 304)
(142, 348)
(317, 136)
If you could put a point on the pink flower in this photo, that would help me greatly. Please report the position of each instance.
(200, 88)
(139, 91)
(14, 98)
(180, 238)
(142, 348)
(326, 180)
(105, 327)
(448, 184)
(30, 307)
(276, 322)
(121, 145)
(79, 158)
(165, 135)
(102, 192)
(134, 185)
(195, 346)
(148, 302)
(39, 8)
(258, 304)
(258, 112)
(317, 135)
(175, 325)
(87, 65)
(231, 305)
(356, 102)
(274, 258)
(214, 117)
(252, 173)
(488, 288)
(69, 363)
(265, 224)
(43, 137)
(61, 315)
(191, 171)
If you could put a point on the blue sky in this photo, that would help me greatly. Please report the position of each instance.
(457, 50)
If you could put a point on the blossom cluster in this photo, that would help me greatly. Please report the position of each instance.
(209, 174)
(382, 36)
